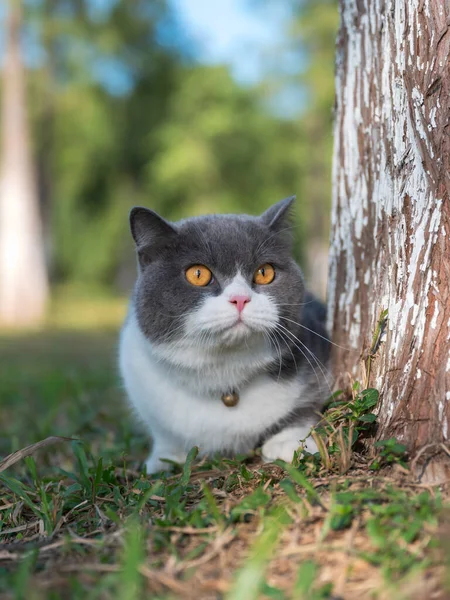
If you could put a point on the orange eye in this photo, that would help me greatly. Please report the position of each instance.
(198, 275)
(264, 275)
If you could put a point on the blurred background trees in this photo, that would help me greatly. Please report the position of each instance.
(23, 272)
(123, 112)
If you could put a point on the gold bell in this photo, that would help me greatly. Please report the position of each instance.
(230, 399)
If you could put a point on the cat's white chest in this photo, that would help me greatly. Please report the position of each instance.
(189, 413)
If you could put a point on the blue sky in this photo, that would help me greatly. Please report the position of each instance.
(240, 33)
(237, 32)
(234, 32)
(248, 36)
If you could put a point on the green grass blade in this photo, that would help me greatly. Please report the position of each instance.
(306, 575)
(131, 581)
(251, 578)
(187, 468)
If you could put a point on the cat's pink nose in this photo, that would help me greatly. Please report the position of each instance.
(240, 301)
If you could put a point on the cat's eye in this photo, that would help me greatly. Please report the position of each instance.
(264, 275)
(199, 275)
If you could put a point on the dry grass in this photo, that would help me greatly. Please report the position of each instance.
(225, 550)
(79, 519)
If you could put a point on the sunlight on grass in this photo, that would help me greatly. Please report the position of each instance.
(78, 309)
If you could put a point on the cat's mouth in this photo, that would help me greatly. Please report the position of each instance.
(237, 326)
(236, 332)
(233, 339)
(240, 326)
(228, 330)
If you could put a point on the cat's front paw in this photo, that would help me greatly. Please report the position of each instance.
(283, 445)
(156, 464)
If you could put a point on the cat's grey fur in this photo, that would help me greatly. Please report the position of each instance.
(296, 349)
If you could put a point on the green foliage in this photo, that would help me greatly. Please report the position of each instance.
(315, 26)
(250, 504)
(91, 142)
(343, 424)
(164, 131)
(356, 410)
(390, 452)
(310, 40)
(218, 149)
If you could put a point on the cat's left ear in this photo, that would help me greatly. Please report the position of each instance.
(279, 215)
(150, 233)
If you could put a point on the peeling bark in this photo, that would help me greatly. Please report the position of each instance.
(390, 241)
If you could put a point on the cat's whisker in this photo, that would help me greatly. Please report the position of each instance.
(324, 371)
(289, 333)
(318, 362)
(176, 329)
(170, 315)
(273, 339)
(295, 303)
(318, 334)
(290, 350)
(321, 366)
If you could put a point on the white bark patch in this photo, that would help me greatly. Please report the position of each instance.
(432, 123)
(435, 315)
(355, 327)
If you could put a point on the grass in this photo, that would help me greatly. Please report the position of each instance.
(78, 518)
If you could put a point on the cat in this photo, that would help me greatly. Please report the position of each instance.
(222, 347)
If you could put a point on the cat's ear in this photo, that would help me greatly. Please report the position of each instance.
(278, 216)
(150, 231)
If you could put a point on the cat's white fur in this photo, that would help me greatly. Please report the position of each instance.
(176, 388)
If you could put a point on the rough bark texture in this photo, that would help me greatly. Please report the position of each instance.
(23, 278)
(390, 242)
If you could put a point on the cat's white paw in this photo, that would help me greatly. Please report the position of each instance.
(283, 445)
(155, 464)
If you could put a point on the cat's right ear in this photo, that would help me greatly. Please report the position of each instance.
(150, 231)
(278, 216)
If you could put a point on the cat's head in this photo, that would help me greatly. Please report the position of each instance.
(215, 282)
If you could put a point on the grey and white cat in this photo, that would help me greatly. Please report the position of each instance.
(220, 313)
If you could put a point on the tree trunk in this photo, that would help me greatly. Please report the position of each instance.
(23, 277)
(390, 241)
